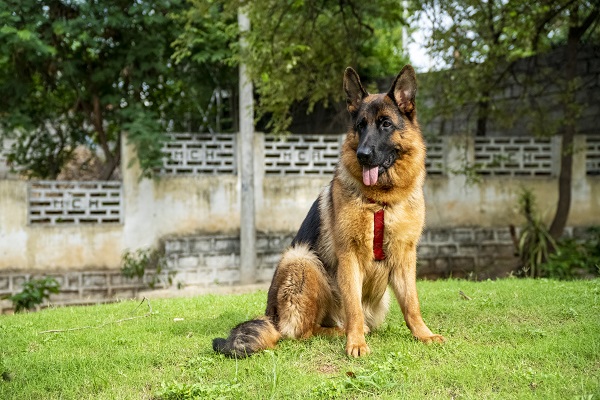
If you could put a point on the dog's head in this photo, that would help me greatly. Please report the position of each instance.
(386, 136)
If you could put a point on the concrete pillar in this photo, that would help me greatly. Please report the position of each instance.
(139, 224)
(246, 165)
(459, 157)
(579, 173)
(259, 172)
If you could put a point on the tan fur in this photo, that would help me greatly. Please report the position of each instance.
(303, 293)
(269, 338)
(351, 292)
(333, 284)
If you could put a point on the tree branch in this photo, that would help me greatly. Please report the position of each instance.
(355, 14)
(580, 30)
(149, 313)
(550, 15)
(97, 122)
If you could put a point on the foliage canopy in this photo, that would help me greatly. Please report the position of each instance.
(481, 41)
(298, 49)
(81, 73)
(477, 45)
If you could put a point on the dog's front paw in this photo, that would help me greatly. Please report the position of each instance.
(432, 339)
(357, 347)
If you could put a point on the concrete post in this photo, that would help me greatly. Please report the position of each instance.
(246, 166)
(459, 152)
(579, 173)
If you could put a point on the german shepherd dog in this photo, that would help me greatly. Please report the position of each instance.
(359, 236)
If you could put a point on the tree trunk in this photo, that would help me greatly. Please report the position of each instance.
(109, 166)
(483, 107)
(564, 184)
(576, 32)
(566, 151)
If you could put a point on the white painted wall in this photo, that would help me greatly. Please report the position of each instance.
(179, 206)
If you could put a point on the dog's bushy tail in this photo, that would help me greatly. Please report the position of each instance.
(247, 338)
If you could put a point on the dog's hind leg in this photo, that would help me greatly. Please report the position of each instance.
(300, 295)
(298, 300)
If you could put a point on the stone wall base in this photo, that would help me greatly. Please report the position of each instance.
(211, 261)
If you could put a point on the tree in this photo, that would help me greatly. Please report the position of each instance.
(204, 48)
(581, 18)
(298, 49)
(480, 42)
(82, 73)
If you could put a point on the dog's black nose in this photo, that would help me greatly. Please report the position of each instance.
(364, 154)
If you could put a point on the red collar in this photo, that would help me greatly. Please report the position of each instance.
(378, 229)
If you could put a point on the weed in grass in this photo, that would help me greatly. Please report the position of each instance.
(200, 390)
(368, 380)
(4, 373)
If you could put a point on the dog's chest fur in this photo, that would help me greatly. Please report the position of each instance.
(403, 226)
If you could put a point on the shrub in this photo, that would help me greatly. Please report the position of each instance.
(34, 292)
(136, 263)
(535, 242)
(575, 258)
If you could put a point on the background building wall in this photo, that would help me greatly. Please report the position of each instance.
(77, 233)
(176, 206)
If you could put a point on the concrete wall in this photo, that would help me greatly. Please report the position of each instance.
(177, 206)
(49, 248)
(492, 202)
(194, 218)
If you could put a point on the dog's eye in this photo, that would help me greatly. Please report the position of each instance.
(361, 124)
(386, 124)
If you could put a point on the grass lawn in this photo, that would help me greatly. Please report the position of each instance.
(515, 339)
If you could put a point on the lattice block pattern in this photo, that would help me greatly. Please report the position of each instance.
(514, 156)
(434, 163)
(302, 154)
(592, 155)
(199, 153)
(59, 202)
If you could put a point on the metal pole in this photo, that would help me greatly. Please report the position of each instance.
(246, 165)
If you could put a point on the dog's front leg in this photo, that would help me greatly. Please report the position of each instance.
(403, 282)
(350, 279)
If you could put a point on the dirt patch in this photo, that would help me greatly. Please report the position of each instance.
(328, 369)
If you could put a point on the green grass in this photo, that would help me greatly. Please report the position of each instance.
(516, 339)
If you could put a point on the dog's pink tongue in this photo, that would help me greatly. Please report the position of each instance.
(370, 175)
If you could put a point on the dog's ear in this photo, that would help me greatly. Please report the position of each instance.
(355, 93)
(404, 90)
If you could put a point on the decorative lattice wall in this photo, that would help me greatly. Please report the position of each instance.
(302, 154)
(61, 202)
(187, 153)
(319, 154)
(592, 155)
(514, 156)
(434, 163)
(200, 153)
